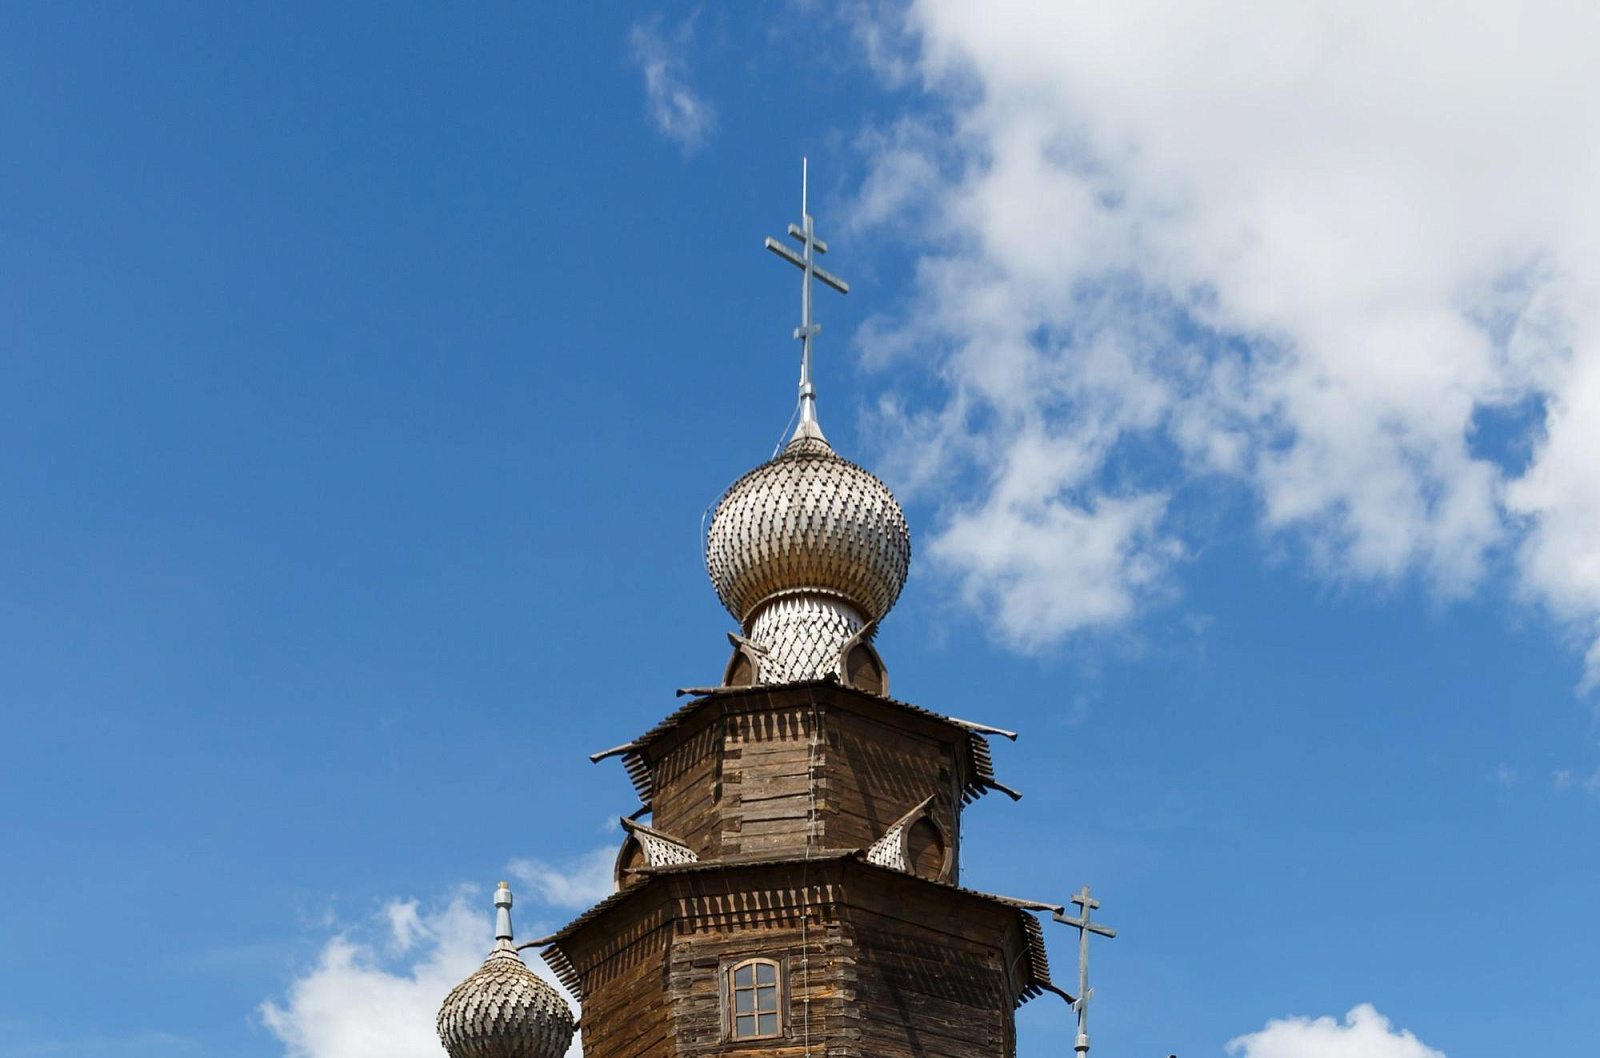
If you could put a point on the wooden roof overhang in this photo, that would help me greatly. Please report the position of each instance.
(1031, 972)
(638, 756)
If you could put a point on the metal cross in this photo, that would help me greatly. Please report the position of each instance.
(806, 261)
(1085, 993)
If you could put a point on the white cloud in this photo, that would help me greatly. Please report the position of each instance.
(1346, 256)
(680, 113)
(354, 1003)
(1045, 565)
(405, 924)
(577, 883)
(376, 987)
(1364, 1033)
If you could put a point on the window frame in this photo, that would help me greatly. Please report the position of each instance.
(780, 985)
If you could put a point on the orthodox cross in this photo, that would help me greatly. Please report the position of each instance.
(1085, 993)
(806, 261)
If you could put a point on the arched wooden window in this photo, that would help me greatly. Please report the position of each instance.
(754, 991)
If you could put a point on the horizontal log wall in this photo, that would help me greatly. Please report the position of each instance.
(876, 965)
(688, 788)
(746, 779)
(877, 773)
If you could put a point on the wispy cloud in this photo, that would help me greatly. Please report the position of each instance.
(678, 111)
(376, 985)
(571, 884)
(1364, 1033)
(406, 926)
(1504, 776)
(1566, 779)
(1362, 281)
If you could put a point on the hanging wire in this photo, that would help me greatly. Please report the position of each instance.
(786, 428)
(704, 516)
(805, 871)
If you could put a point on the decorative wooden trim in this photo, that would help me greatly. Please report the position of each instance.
(622, 875)
(862, 641)
(893, 849)
(750, 654)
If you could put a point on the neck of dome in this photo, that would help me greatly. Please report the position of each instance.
(803, 635)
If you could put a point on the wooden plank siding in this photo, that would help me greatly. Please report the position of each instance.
(876, 963)
(777, 790)
(739, 779)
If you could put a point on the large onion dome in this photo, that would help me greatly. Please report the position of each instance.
(804, 551)
(504, 1009)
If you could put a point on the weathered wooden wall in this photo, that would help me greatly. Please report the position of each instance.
(879, 769)
(931, 983)
(626, 1010)
(741, 778)
(769, 763)
(687, 769)
(892, 966)
(796, 925)
(777, 790)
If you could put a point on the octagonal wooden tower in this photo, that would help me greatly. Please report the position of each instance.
(796, 891)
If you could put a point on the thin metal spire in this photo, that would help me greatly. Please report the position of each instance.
(806, 261)
(502, 913)
(1085, 927)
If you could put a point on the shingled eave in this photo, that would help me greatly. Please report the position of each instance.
(557, 959)
(1035, 982)
(980, 782)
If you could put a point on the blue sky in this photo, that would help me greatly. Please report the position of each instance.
(367, 375)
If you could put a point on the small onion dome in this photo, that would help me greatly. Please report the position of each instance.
(504, 1009)
(808, 521)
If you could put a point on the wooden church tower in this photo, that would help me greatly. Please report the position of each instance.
(796, 892)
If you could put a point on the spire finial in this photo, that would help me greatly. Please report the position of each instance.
(806, 261)
(502, 914)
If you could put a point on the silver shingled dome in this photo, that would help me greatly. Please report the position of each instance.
(504, 1009)
(808, 522)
